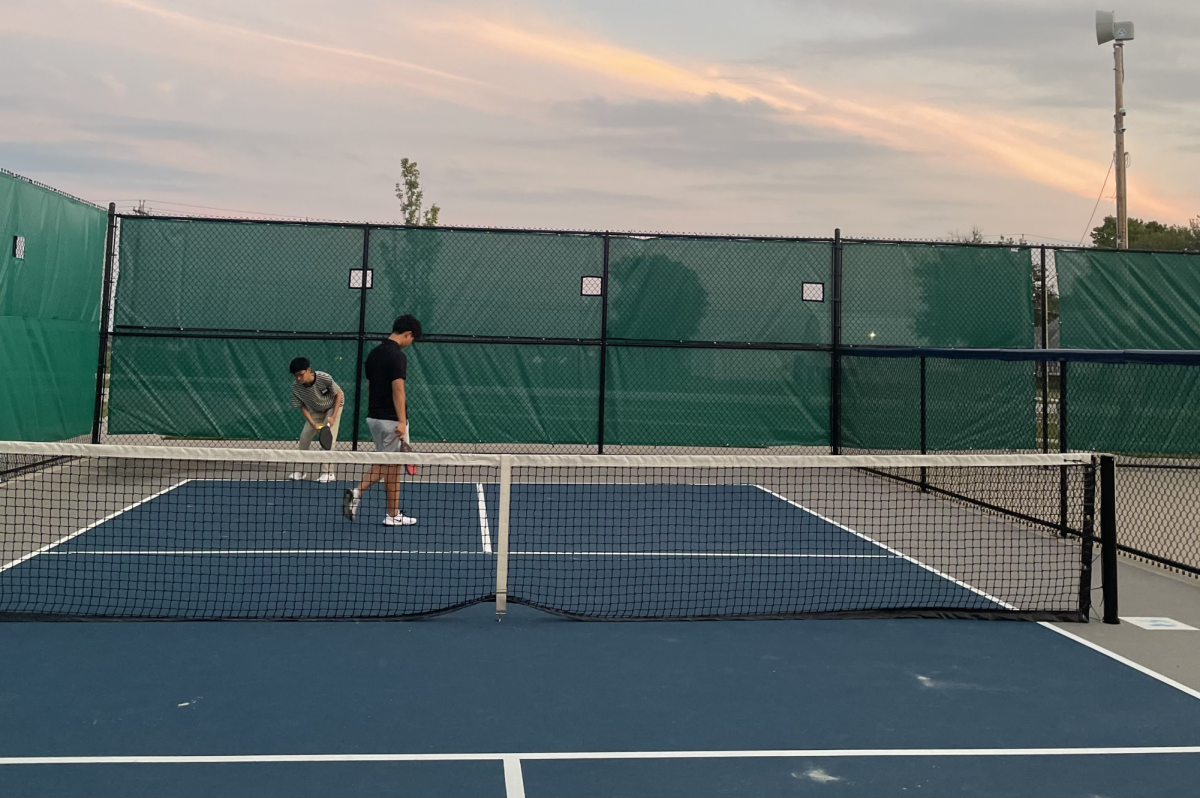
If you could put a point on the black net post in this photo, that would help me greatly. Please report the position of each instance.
(924, 405)
(835, 357)
(1063, 518)
(110, 250)
(1108, 537)
(603, 349)
(1086, 540)
(362, 334)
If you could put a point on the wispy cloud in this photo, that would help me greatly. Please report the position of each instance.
(992, 140)
(309, 104)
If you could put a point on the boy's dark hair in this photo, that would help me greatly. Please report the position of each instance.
(298, 365)
(407, 323)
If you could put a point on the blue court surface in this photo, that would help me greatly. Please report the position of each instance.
(218, 548)
(539, 705)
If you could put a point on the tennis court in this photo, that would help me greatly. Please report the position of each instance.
(441, 702)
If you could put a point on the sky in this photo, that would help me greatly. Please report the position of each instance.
(885, 118)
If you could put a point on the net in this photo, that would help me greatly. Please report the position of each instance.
(148, 532)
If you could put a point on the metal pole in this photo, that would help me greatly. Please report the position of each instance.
(1086, 540)
(603, 349)
(362, 334)
(835, 357)
(1063, 519)
(924, 482)
(1119, 130)
(110, 251)
(1108, 537)
(1043, 366)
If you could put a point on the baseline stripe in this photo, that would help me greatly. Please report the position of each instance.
(816, 753)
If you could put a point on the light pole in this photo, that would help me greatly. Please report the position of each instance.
(1118, 33)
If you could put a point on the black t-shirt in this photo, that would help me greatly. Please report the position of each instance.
(385, 364)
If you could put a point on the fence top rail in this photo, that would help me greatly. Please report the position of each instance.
(137, 217)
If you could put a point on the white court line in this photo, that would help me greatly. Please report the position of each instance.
(896, 552)
(1123, 660)
(483, 519)
(1111, 654)
(89, 527)
(200, 552)
(514, 781)
(814, 753)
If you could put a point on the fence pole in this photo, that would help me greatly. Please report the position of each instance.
(1043, 366)
(603, 350)
(924, 449)
(110, 250)
(835, 357)
(1062, 447)
(1108, 537)
(362, 334)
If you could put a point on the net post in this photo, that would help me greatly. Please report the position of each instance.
(502, 534)
(924, 449)
(603, 349)
(1087, 540)
(1062, 447)
(362, 334)
(110, 250)
(1108, 537)
(835, 357)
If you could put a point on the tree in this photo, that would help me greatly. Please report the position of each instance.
(411, 197)
(976, 236)
(1150, 235)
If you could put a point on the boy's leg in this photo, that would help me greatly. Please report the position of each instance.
(306, 438)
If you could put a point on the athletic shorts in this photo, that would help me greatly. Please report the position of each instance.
(383, 432)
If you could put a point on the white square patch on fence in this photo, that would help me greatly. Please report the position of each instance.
(19, 247)
(1165, 624)
(356, 278)
(591, 286)
(812, 292)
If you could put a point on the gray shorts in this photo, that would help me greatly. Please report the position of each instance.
(383, 432)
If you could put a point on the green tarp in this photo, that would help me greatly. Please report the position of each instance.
(1128, 300)
(936, 295)
(971, 405)
(525, 285)
(1132, 408)
(49, 311)
(227, 388)
(682, 289)
(716, 397)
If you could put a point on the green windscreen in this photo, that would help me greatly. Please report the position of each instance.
(936, 295)
(718, 290)
(1128, 300)
(881, 403)
(238, 276)
(716, 397)
(1133, 408)
(230, 388)
(485, 283)
(224, 388)
(970, 405)
(51, 270)
(980, 405)
(503, 393)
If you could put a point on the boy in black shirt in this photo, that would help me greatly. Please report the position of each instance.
(387, 417)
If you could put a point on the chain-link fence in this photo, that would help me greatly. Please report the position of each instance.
(614, 342)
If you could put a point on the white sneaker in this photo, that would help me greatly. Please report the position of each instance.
(350, 500)
(326, 477)
(399, 520)
(297, 475)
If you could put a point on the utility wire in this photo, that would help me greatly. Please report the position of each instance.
(1097, 205)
